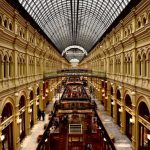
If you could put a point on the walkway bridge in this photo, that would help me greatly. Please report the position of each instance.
(74, 72)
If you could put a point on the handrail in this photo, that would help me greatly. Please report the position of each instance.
(105, 132)
(42, 141)
(75, 73)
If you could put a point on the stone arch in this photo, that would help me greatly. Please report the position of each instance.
(22, 101)
(111, 90)
(22, 93)
(128, 101)
(5, 101)
(38, 90)
(127, 92)
(142, 99)
(118, 94)
(74, 46)
(143, 110)
(31, 95)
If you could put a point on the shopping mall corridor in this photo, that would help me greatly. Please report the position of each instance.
(75, 120)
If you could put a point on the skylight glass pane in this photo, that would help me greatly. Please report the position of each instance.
(74, 22)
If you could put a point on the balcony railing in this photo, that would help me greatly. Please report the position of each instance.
(75, 72)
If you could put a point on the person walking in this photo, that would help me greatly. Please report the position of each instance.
(39, 114)
(43, 115)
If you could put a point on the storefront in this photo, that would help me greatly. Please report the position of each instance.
(128, 107)
(21, 119)
(143, 121)
(7, 128)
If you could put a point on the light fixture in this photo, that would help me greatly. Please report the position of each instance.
(2, 137)
(103, 90)
(148, 136)
(37, 84)
(120, 87)
(16, 94)
(37, 103)
(111, 83)
(43, 97)
(43, 82)
(46, 140)
(103, 95)
(46, 94)
(30, 88)
(19, 120)
(106, 97)
(47, 91)
(30, 110)
(132, 120)
(100, 127)
(120, 110)
(105, 139)
(132, 93)
(113, 103)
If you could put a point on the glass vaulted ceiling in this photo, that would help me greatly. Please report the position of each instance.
(74, 22)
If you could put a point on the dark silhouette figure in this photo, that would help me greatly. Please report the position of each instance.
(43, 115)
(39, 114)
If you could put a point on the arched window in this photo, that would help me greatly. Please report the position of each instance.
(139, 24)
(5, 23)
(149, 17)
(130, 65)
(20, 67)
(31, 95)
(1, 71)
(118, 95)
(22, 102)
(7, 111)
(0, 20)
(143, 111)
(38, 91)
(139, 66)
(10, 65)
(128, 101)
(10, 26)
(112, 91)
(144, 21)
(125, 66)
(5, 66)
(144, 67)
(24, 67)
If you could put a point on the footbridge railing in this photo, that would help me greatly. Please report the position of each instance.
(74, 72)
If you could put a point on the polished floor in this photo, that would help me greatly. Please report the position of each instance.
(121, 141)
(30, 142)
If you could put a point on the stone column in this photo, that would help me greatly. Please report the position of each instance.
(34, 111)
(100, 90)
(122, 118)
(108, 98)
(115, 106)
(16, 126)
(0, 131)
(27, 117)
(134, 125)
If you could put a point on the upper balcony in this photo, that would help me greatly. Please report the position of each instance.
(74, 72)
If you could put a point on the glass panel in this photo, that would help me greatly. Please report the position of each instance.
(76, 22)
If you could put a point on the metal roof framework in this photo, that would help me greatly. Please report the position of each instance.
(74, 22)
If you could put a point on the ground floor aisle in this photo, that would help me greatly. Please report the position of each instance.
(121, 141)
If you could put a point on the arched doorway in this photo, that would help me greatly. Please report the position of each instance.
(7, 143)
(111, 92)
(118, 107)
(38, 100)
(31, 110)
(144, 142)
(128, 104)
(22, 117)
